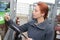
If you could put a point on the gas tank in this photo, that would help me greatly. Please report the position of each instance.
(3, 26)
(2, 21)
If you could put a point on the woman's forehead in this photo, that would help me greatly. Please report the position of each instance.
(37, 7)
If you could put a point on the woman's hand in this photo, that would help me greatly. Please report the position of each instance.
(7, 17)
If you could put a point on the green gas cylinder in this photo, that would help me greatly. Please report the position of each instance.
(2, 21)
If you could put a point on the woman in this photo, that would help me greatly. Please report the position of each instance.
(38, 29)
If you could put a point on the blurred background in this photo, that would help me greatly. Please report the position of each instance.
(21, 12)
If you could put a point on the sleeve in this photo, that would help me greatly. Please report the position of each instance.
(50, 35)
(17, 28)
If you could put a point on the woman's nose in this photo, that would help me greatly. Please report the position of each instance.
(33, 12)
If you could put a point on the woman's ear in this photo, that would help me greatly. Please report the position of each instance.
(43, 14)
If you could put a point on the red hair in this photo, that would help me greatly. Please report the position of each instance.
(44, 8)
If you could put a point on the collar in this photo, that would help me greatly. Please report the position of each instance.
(41, 25)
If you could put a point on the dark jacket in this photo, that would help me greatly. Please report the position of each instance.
(42, 31)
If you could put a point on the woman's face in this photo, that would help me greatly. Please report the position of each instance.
(37, 12)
